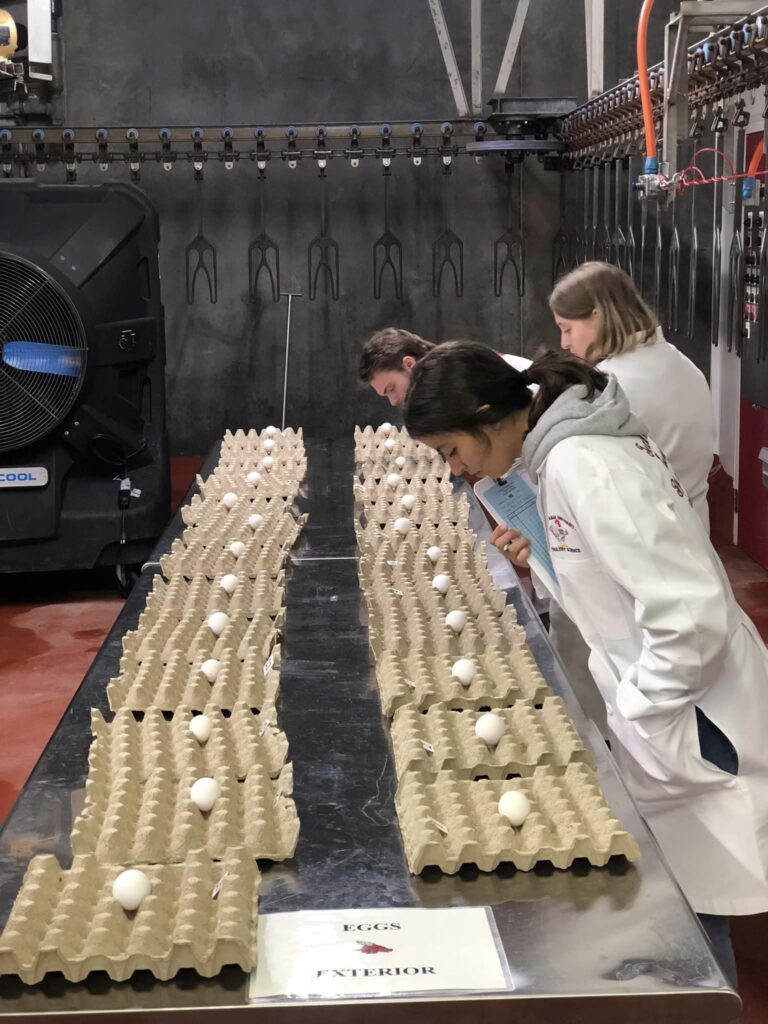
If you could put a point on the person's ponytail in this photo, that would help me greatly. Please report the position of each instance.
(555, 372)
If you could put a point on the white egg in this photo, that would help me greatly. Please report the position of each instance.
(456, 620)
(514, 806)
(218, 622)
(229, 499)
(253, 477)
(402, 525)
(267, 462)
(393, 479)
(490, 728)
(205, 793)
(131, 888)
(200, 727)
(385, 428)
(210, 669)
(268, 445)
(400, 461)
(228, 583)
(464, 670)
(390, 444)
(407, 502)
(441, 583)
(270, 431)
(237, 548)
(433, 554)
(255, 520)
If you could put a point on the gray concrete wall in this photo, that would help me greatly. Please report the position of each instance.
(302, 61)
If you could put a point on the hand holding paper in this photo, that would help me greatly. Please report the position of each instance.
(513, 544)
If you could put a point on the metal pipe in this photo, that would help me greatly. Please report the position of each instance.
(290, 296)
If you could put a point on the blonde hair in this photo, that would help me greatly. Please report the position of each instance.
(624, 320)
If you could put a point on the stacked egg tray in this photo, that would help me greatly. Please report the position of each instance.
(194, 702)
(448, 650)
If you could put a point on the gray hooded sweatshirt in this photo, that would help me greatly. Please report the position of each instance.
(572, 414)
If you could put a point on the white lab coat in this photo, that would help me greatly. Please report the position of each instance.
(641, 580)
(671, 396)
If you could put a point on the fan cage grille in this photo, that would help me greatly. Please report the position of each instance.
(34, 307)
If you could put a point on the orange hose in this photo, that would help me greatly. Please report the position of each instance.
(754, 163)
(645, 86)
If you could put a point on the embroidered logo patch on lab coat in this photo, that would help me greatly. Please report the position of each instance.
(560, 529)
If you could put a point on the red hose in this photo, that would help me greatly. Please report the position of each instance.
(754, 163)
(642, 74)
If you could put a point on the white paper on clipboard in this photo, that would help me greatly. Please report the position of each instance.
(512, 501)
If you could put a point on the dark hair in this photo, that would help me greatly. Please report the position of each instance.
(386, 349)
(462, 385)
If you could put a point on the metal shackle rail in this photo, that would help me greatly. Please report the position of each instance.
(29, 148)
(730, 61)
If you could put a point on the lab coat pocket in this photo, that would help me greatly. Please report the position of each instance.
(715, 747)
(592, 599)
(668, 765)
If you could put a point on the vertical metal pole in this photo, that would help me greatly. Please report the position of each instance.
(476, 22)
(290, 296)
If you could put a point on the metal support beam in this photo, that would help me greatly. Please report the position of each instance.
(446, 46)
(513, 43)
(594, 25)
(476, 24)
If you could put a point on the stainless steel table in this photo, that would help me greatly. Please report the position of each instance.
(617, 944)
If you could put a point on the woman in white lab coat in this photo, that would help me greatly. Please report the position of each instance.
(602, 318)
(682, 670)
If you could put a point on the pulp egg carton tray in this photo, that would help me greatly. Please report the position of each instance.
(129, 821)
(214, 524)
(200, 913)
(394, 562)
(503, 677)
(212, 515)
(192, 554)
(376, 490)
(420, 471)
(430, 512)
(447, 821)
(197, 595)
(369, 442)
(442, 739)
(286, 465)
(465, 590)
(401, 623)
(168, 685)
(277, 482)
(193, 635)
(372, 536)
(246, 440)
(240, 742)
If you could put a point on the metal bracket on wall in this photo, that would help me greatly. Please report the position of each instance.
(200, 256)
(263, 254)
(323, 252)
(508, 249)
(387, 250)
(447, 248)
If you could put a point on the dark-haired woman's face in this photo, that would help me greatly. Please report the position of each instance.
(491, 452)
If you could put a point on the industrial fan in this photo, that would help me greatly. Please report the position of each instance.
(83, 452)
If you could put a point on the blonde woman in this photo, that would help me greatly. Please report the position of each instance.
(602, 318)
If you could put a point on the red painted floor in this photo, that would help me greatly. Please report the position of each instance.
(53, 625)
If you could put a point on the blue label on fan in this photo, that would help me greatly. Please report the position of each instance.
(23, 476)
(41, 357)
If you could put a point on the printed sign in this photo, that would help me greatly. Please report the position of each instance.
(340, 954)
